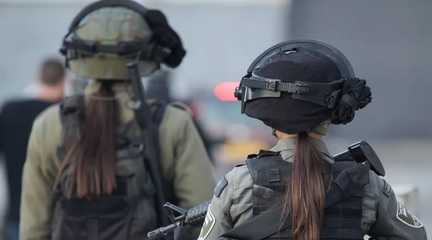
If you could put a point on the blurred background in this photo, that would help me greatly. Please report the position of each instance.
(387, 41)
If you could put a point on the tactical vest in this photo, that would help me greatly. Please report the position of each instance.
(130, 212)
(343, 210)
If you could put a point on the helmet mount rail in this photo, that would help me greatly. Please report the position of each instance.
(146, 51)
(254, 87)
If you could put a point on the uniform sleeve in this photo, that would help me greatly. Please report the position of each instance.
(193, 172)
(231, 204)
(37, 194)
(393, 220)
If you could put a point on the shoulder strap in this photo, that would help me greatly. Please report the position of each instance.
(158, 109)
(158, 112)
(268, 170)
(71, 112)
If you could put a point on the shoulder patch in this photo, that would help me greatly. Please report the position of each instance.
(404, 216)
(220, 187)
(208, 225)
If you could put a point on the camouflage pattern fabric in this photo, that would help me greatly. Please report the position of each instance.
(110, 26)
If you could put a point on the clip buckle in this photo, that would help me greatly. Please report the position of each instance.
(301, 88)
(332, 98)
(272, 84)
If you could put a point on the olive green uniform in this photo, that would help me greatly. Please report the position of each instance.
(380, 208)
(183, 160)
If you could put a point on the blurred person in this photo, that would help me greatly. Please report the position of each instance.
(16, 120)
(296, 190)
(101, 164)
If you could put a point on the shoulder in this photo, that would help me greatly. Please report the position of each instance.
(181, 106)
(239, 178)
(44, 140)
(234, 187)
(178, 110)
(237, 173)
(175, 117)
(48, 126)
(49, 116)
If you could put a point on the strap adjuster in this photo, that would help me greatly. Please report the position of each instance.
(332, 99)
(272, 84)
(300, 88)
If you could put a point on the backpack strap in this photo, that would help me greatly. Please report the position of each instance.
(158, 112)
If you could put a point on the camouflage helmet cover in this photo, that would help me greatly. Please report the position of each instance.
(106, 35)
(109, 26)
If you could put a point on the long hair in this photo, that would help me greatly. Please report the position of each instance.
(90, 159)
(304, 200)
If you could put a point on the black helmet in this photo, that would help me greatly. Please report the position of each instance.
(296, 85)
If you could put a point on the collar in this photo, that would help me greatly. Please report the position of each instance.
(286, 148)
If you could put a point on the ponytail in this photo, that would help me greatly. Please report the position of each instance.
(305, 197)
(90, 159)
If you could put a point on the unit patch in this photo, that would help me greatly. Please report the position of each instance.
(406, 217)
(208, 225)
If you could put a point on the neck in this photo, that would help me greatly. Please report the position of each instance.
(281, 135)
(51, 93)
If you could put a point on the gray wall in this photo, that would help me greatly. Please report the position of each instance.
(389, 44)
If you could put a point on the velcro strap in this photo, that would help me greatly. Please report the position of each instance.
(122, 48)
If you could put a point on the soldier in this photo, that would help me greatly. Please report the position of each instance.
(99, 166)
(296, 190)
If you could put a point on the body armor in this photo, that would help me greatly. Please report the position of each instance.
(343, 210)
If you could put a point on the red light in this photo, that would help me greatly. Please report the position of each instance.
(225, 91)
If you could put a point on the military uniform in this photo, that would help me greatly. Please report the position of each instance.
(183, 161)
(382, 216)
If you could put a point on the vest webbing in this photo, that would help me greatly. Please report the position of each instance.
(129, 213)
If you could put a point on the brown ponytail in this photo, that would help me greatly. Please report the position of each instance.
(305, 197)
(90, 159)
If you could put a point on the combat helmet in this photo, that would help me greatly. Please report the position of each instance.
(108, 34)
(295, 86)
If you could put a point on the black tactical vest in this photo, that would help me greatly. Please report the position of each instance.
(343, 211)
(130, 212)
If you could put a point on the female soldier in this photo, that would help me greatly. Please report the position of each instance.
(296, 190)
(91, 171)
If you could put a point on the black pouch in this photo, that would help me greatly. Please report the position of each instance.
(102, 219)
